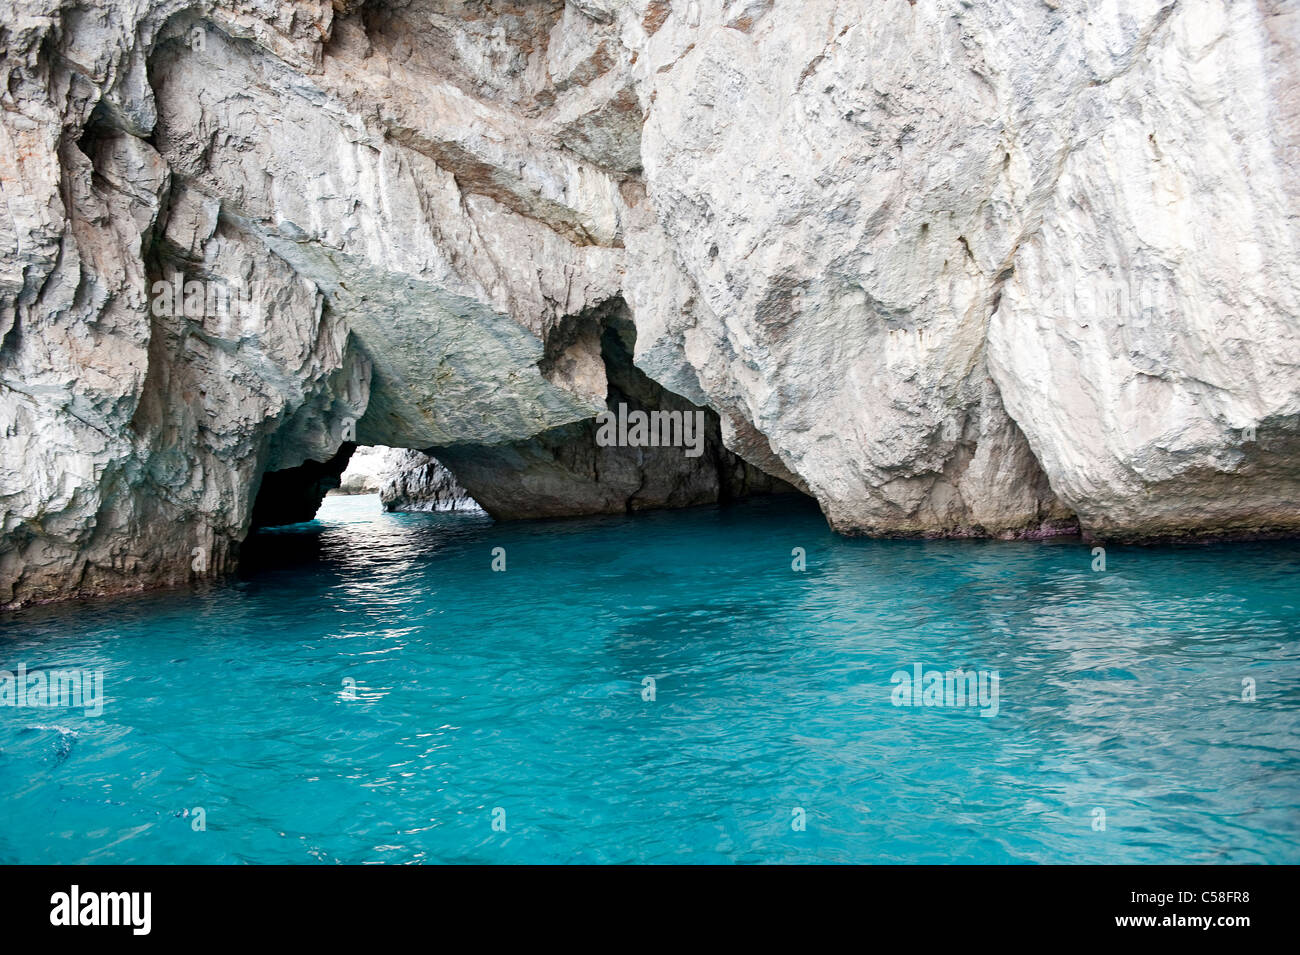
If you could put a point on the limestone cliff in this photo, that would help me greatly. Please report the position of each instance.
(951, 268)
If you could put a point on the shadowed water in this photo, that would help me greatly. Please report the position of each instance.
(377, 691)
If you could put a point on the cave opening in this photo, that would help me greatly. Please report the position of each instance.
(404, 480)
(600, 465)
(576, 470)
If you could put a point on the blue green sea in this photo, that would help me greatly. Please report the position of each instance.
(665, 687)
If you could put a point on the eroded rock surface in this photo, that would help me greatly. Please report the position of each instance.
(414, 481)
(950, 268)
(569, 471)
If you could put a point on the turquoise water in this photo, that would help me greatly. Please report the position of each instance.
(381, 692)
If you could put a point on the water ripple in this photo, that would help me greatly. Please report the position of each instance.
(374, 692)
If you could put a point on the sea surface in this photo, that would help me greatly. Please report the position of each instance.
(666, 687)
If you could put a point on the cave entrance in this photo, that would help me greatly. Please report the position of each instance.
(651, 449)
(604, 465)
(404, 480)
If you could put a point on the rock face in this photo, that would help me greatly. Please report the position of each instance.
(951, 268)
(416, 482)
(568, 471)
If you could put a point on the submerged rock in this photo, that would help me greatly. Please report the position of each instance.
(950, 268)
